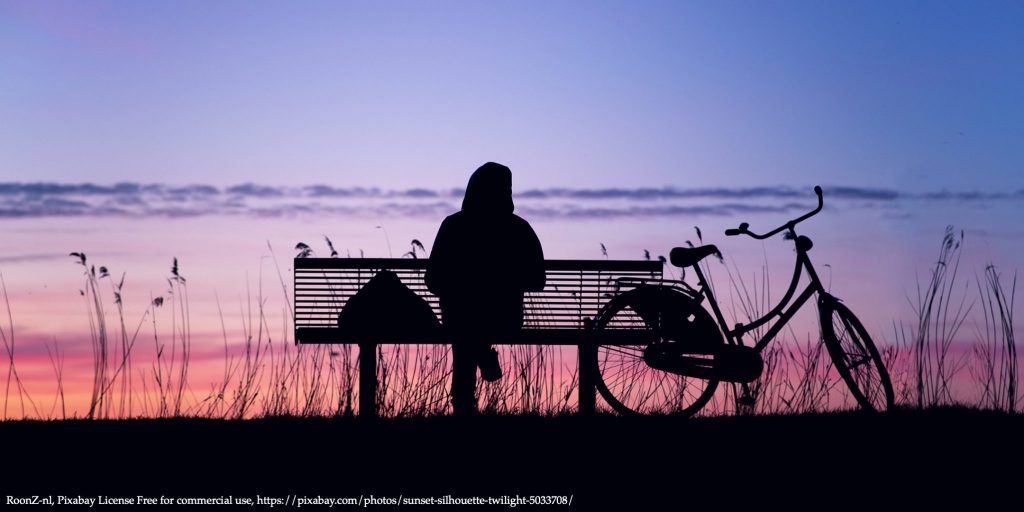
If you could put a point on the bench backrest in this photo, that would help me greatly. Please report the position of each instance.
(575, 289)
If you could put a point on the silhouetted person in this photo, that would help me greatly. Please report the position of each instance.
(483, 259)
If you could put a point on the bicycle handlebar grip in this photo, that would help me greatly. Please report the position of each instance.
(817, 190)
(737, 231)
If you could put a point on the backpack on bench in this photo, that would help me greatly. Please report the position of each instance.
(385, 309)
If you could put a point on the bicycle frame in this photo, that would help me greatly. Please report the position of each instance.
(803, 264)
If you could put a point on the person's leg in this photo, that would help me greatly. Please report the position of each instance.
(463, 379)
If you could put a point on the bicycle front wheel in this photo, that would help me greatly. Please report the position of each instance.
(855, 356)
(626, 382)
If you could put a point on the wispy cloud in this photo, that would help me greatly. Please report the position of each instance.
(611, 212)
(33, 257)
(19, 200)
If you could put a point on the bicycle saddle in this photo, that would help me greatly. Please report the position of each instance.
(689, 256)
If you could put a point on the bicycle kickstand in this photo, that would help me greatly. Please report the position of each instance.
(745, 402)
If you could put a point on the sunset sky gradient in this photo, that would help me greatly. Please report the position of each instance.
(138, 132)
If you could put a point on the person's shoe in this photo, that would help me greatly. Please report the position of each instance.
(490, 370)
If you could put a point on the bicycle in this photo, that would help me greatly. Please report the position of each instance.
(678, 365)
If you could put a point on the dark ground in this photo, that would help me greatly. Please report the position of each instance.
(907, 458)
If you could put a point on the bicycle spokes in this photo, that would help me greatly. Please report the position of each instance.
(855, 356)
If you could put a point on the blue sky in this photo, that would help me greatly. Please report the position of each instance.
(916, 96)
(128, 128)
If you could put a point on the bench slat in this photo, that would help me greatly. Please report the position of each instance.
(526, 337)
(575, 291)
(373, 264)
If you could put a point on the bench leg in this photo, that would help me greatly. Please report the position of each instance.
(588, 366)
(367, 380)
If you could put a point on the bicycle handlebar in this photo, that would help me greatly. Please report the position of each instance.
(742, 230)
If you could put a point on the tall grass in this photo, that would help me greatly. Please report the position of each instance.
(541, 380)
(925, 363)
(265, 374)
(56, 357)
(111, 382)
(414, 380)
(12, 371)
(995, 348)
(940, 316)
(798, 378)
(898, 358)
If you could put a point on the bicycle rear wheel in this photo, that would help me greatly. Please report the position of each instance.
(855, 356)
(626, 382)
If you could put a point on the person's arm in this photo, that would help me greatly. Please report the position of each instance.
(534, 276)
(438, 273)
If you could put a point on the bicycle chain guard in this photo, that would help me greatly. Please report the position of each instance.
(692, 344)
(729, 363)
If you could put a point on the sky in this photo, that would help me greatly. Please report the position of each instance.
(139, 132)
(913, 95)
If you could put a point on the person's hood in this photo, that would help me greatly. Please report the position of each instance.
(489, 190)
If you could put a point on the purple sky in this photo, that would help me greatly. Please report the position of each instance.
(912, 95)
(141, 131)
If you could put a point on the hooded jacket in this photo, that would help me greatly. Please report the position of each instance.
(485, 257)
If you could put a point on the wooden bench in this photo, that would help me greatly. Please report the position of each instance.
(558, 315)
